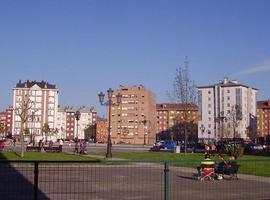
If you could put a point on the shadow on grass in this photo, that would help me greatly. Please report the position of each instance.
(17, 180)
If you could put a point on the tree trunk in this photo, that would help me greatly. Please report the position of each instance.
(185, 132)
(22, 139)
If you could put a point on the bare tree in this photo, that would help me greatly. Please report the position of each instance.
(2, 128)
(46, 130)
(23, 110)
(225, 130)
(233, 119)
(185, 92)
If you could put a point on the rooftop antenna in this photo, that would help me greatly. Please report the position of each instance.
(186, 67)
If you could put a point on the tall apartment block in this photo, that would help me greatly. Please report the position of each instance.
(263, 116)
(6, 120)
(134, 120)
(226, 109)
(102, 130)
(67, 123)
(169, 114)
(43, 98)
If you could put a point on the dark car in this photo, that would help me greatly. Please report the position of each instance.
(199, 148)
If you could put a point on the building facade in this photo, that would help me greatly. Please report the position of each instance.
(225, 110)
(134, 119)
(263, 116)
(70, 128)
(102, 130)
(171, 116)
(6, 121)
(42, 106)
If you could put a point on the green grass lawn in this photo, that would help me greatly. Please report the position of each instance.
(253, 165)
(43, 156)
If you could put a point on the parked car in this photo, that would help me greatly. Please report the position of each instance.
(168, 144)
(2, 145)
(159, 143)
(254, 148)
(257, 147)
(199, 148)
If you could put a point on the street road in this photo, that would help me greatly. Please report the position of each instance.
(91, 147)
(141, 181)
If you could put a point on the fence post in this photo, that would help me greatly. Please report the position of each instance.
(36, 181)
(166, 180)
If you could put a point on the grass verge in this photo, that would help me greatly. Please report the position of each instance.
(249, 164)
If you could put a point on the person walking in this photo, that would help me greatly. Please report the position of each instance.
(76, 147)
(206, 149)
(14, 144)
(213, 150)
(60, 145)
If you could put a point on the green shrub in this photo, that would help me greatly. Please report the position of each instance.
(234, 150)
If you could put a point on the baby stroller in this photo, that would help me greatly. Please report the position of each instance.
(207, 174)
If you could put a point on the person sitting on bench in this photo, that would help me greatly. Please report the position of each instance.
(220, 166)
(231, 167)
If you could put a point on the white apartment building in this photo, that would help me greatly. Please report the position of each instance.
(43, 104)
(69, 127)
(225, 110)
(61, 123)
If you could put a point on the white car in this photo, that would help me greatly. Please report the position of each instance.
(257, 147)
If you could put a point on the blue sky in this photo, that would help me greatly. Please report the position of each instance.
(84, 46)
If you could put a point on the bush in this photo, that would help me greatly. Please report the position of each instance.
(234, 150)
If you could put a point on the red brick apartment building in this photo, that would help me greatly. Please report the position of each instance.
(6, 121)
(169, 114)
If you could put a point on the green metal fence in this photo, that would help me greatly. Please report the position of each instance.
(143, 180)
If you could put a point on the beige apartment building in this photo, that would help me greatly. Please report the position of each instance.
(263, 118)
(133, 121)
(102, 130)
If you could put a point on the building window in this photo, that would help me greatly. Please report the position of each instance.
(209, 125)
(228, 105)
(209, 112)
(209, 98)
(228, 91)
(209, 105)
(209, 92)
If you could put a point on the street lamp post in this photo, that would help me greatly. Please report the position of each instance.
(144, 132)
(202, 128)
(220, 119)
(109, 103)
(146, 129)
(32, 127)
(209, 133)
(77, 116)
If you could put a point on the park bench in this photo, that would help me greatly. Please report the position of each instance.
(52, 149)
(47, 149)
(2, 145)
(31, 148)
(232, 173)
